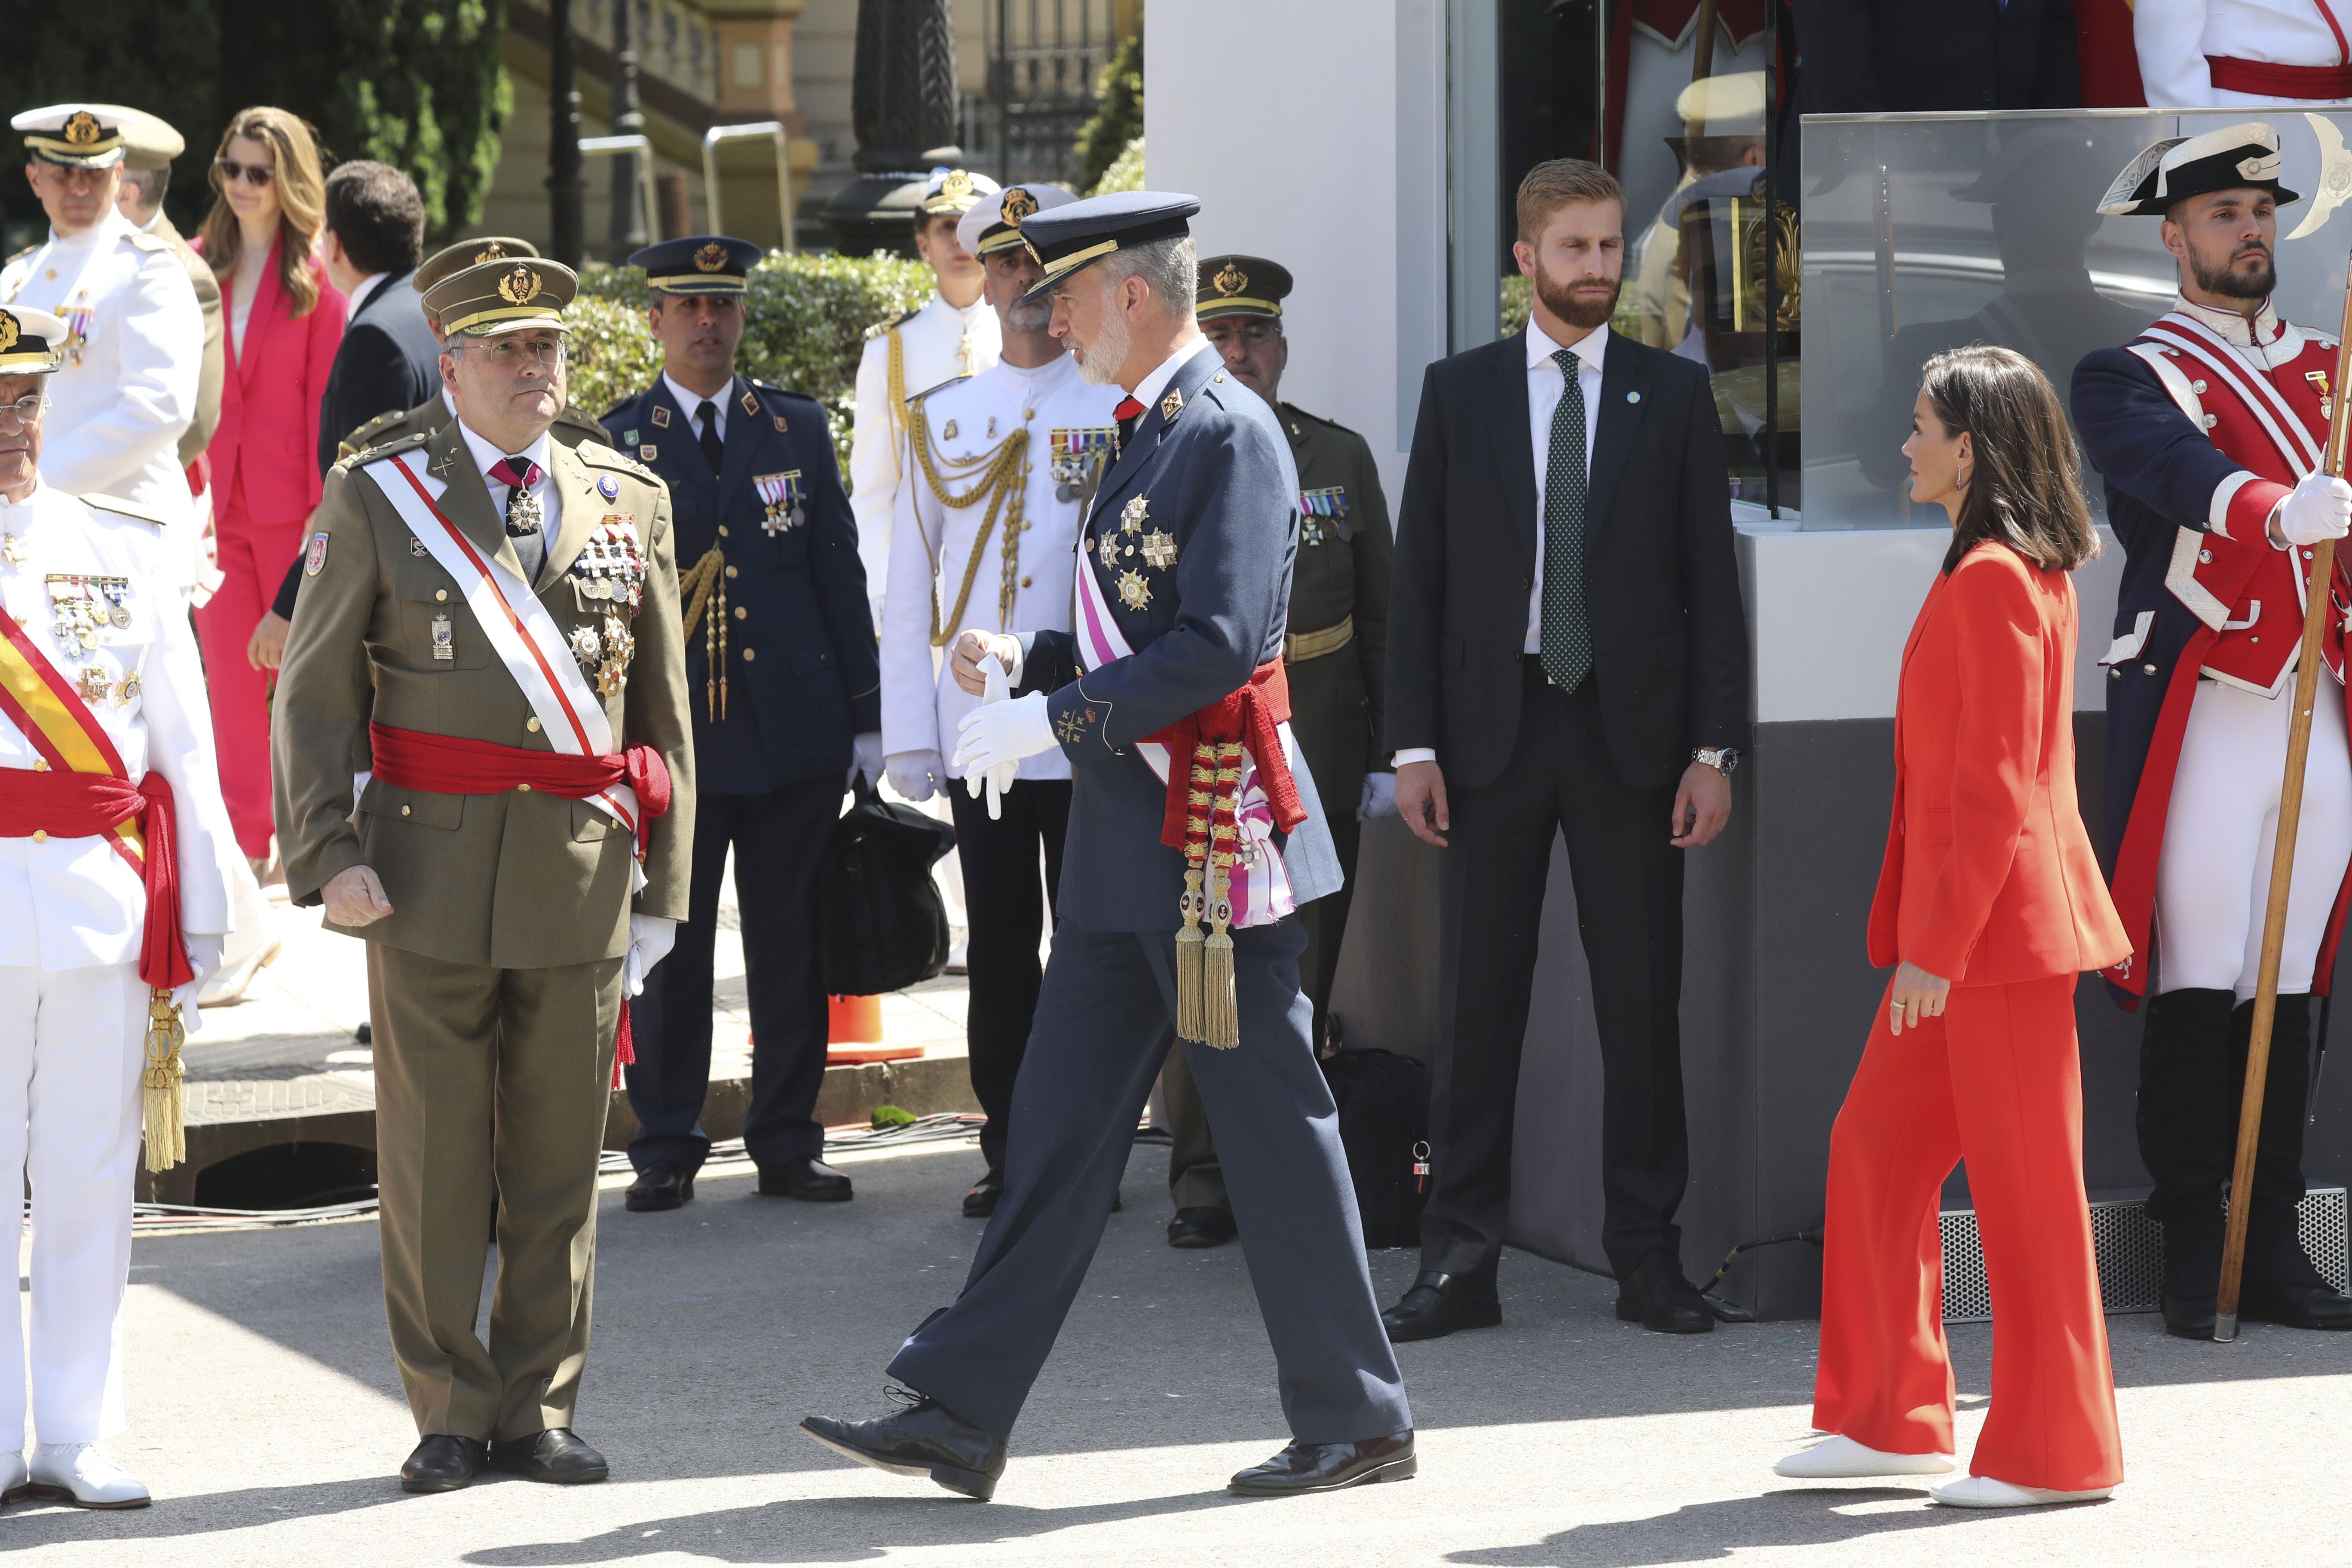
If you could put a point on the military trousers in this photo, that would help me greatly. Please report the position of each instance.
(1000, 856)
(1104, 1022)
(491, 1089)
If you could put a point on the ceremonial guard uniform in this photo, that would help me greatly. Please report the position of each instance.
(112, 905)
(1194, 836)
(134, 340)
(2202, 427)
(2220, 53)
(1002, 462)
(929, 344)
(529, 818)
(781, 677)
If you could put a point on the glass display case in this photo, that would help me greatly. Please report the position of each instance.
(1922, 232)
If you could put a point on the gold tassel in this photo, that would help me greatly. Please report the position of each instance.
(1191, 1019)
(1225, 1030)
(165, 1115)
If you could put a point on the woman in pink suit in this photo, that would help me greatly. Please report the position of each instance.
(285, 322)
(1990, 904)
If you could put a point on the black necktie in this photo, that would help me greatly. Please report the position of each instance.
(707, 412)
(1567, 640)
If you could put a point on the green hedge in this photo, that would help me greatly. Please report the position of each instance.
(807, 318)
(1125, 173)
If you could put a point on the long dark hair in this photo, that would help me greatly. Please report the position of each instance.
(2027, 487)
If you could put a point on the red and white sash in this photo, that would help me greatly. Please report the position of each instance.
(1258, 884)
(520, 631)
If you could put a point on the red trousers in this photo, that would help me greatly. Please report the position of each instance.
(254, 555)
(1996, 1080)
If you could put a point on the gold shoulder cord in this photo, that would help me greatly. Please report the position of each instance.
(1000, 477)
(896, 390)
(703, 592)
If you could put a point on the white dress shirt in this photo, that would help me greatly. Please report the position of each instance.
(532, 551)
(689, 401)
(1545, 385)
(363, 291)
(1146, 391)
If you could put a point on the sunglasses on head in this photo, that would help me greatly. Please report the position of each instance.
(251, 173)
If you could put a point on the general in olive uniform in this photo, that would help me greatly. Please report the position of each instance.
(508, 608)
(1332, 653)
(783, 678)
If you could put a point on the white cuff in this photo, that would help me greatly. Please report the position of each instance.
(1411, 754)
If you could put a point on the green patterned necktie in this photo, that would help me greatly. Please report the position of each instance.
(1567, 626)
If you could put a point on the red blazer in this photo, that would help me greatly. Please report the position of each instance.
(268, 433)
(1989, 877)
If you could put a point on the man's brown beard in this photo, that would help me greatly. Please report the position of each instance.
(1561, 302)
(2225, 280)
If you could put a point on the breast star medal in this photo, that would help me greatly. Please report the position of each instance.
(1108, 544)
(1131, 515)
(620, 646)
(1159, 550)
(1133, 591)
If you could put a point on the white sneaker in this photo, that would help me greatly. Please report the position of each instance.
(1842, 1459)
(82, 1474)
(1983, 1491)
(13, 1476)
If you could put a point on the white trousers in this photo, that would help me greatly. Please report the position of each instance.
(2213, 875)
(72, 1042)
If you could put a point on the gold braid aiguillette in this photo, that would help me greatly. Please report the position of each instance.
(1224, 1023)
(999, 476)
(703, 590)
(164, 1108)
(1191, 1013)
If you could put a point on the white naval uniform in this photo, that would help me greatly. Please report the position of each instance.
(921, 704)
(936, 343)
(121, 400)
(2172, 38)
(73, 1011)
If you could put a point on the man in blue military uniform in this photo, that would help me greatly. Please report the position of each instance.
(1194, 834)
(786, 700)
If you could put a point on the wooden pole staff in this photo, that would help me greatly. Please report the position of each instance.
(2317, 601)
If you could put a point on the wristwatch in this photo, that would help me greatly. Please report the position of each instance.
(1722, 759)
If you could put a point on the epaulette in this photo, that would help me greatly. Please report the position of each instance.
(783, 390)
(1291, 411)
(128, 508)
(367, 455)
(358, 440)
(879, 327)
(624, 403)
(141, 240)
(914, 398)
(603, 456)
(21, 255)
(578, 421)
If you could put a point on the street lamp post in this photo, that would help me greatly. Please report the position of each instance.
(629, 220)
(567, 186)
(903, 113)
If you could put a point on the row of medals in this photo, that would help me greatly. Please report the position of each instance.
(610, 570)
(82, 610)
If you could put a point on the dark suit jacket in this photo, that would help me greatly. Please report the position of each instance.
(1218, 480)
(1870, 56)
(388, 362)
(1669, 631)
(803, 673)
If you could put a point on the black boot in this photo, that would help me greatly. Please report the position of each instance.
(2186, 1134)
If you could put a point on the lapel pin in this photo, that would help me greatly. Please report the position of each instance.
(608, 487)
(751, 404)
(660, 418)
(1632, 397)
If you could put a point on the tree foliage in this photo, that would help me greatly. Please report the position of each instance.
(1118, 111)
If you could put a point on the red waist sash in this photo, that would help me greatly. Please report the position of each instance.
(447, 764)
(87, 805)
(1251, 716)
(2267, 78)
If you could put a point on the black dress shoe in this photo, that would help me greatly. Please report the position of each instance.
(1439, 1303)
(926, 1438)
(811, 1180)
(981, 1201)
(2190, 1317)
(444, 1463)
(555, 1455)
(660, 1185)
(1656, 1296)
(1327, 1467)
(2313, 1306)
(1204, 1226)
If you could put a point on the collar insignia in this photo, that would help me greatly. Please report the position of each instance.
(1173, 405)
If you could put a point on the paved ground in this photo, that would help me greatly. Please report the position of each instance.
(267, 1418)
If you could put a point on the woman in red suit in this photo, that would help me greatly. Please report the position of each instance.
(285, 322)
(1990, 904)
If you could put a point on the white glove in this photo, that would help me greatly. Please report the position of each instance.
(866, 757)
(2320, 507)
(995, 736)
(1378, 798)
(650, 939)
(916, 775)
(204, 958)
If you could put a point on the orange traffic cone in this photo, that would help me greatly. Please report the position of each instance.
(854, 1033)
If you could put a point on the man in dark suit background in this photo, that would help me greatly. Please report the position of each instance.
(1876, 57)
(389, 359)
(1568, 653)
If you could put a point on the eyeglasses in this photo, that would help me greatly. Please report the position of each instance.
(505, 354)
(254, 174)
(25, 410)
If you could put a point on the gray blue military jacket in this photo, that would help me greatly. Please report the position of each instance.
(1214, 470)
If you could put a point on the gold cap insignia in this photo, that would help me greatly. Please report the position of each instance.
(710, 257)
(1230, 280)
(9, 332)
(492, 252)
(957, 184)
(82, 128)
(1018, 204)
(520, 286)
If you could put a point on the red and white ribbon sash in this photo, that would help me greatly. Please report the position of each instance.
(521, 633)
(1258, 885)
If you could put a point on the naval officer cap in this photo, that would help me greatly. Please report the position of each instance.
(149, 142)
(509, 296)
(78, 135)
(698, 264)
(995, 225)
(1071, 239)
(29, 342)
(951, 193)
(1242, 286)
(2239, 157)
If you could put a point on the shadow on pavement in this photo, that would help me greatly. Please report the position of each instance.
(1708, 1532)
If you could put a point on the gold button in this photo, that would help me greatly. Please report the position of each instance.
(40, 765)
(750, 654)
(440, 593)
(722, 530)
(40, 836)
(523, 789)
(532, 725)
(1028, 414)
(731, 571)
(740, 612)
(404, 810)
(1024, 582)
